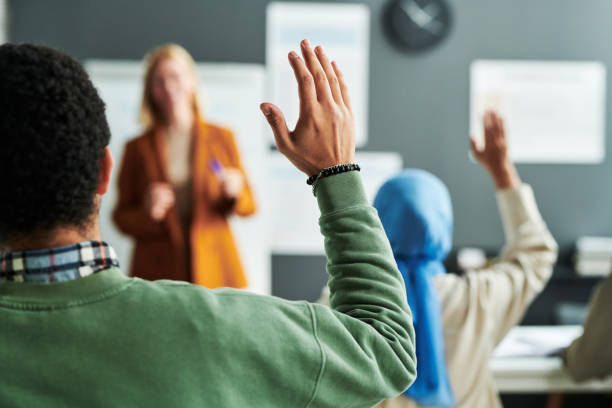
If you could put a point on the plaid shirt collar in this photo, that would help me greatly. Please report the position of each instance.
(57, 264)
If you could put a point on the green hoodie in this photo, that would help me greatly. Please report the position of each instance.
(107, 340)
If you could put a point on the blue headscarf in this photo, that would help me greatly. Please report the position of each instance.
(416, 212)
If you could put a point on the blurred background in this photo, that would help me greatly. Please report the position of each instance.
(416, 104)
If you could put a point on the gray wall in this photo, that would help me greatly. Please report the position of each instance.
(418, 103)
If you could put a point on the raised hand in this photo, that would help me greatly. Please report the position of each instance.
(493, 156)
(325, 131)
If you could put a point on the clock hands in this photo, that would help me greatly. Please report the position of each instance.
(424, 18)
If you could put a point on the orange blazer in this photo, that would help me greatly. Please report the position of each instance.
(159, 246)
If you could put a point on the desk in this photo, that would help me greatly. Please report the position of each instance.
(525, 374)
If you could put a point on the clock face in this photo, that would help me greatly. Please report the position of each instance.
(415, 25)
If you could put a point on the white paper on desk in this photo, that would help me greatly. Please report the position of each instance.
(293, 211)
(554, 112)
(344, 32)
(536, 341)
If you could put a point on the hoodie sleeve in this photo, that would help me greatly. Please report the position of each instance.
(366, 337)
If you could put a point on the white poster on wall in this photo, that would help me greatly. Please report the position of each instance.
(231, 94)
(295, 220)
(344, 32)
(554, 111)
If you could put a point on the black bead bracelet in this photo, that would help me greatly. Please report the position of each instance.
(330, 171)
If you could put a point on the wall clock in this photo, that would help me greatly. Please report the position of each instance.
(416, 25)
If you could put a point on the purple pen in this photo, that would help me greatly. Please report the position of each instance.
(215, 166)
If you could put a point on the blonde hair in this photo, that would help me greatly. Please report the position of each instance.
(149, 114)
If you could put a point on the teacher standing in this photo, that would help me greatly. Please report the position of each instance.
(180, 181)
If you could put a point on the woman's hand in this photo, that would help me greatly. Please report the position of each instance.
(232, 182)
(158, 200)
(494, 155)
(325, 131)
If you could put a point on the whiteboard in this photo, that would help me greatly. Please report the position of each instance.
(554, 111)
(231, 94)
(344, 32)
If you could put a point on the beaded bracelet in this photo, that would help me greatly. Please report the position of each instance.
(330, 171)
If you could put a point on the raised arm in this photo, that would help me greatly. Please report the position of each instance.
(493, 156)
(502, 292)
(366, 339)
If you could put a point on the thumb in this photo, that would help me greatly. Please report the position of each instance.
(276, 119)
(475, 151)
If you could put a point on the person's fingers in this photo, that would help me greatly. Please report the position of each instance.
(163, 210)
(164, 195)
(237, 178)
(343, 88)
(495, 135)
(158, 185)
(170, 198)
(316, 70)
(306, 86)
(496, 140)
(486, 118)
(159, 210)
(156, 197)
(160, 200)
(489, 129)
(475, 150)
(334, 84)
(501, 128)
(163, 189)
(161, 213)
(495, 122)
(277, 122)
(164, 205)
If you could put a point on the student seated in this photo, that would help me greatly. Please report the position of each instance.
(76, 332)
(590, 355)
(460, 319)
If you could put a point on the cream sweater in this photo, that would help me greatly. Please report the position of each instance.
(480, 307)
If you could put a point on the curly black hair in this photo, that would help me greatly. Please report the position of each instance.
(53, 131)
